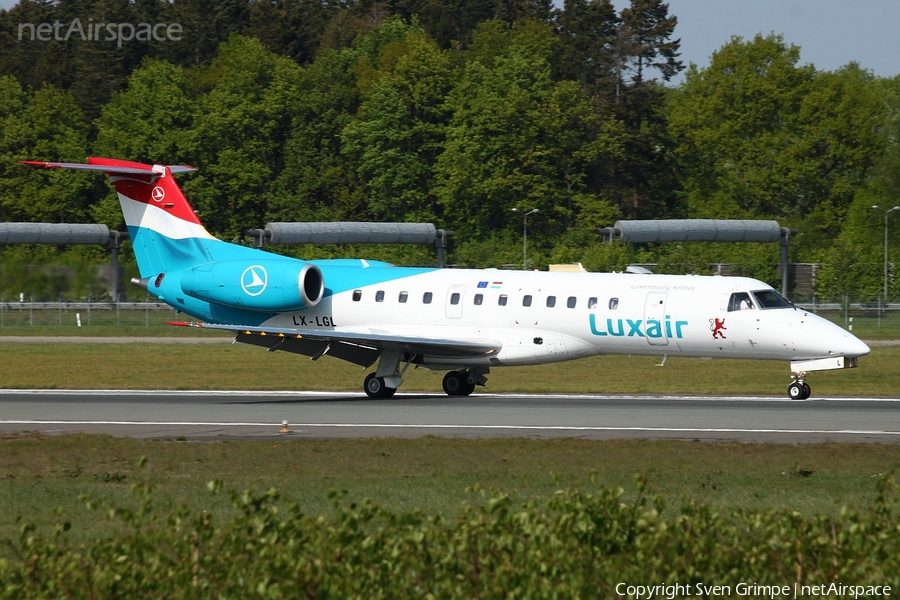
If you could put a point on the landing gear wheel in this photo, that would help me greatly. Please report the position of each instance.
(375, 387)
(456, 383)
(799, 390)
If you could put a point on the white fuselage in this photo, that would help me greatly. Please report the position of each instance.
(542, 317)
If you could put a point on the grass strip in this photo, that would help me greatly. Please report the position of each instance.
(242, 367)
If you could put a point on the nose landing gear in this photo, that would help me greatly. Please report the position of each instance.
(799, 389)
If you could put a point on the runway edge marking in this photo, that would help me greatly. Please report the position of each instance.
(443, 426)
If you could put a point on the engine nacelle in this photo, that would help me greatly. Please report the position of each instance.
(266, 285)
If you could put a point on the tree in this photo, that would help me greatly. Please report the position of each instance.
(291, 28)
(842, 140)
(648, 27)
(644, 180)
(42, 125)
(517, 139)
(587, 31)
(761, 137)
(452, 22)
(319, 181)
(399, 133)
(734, 122)
(79, 55)
(151, 120)
(853, 263)
(243, 123)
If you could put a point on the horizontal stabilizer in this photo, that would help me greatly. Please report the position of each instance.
(121, 167)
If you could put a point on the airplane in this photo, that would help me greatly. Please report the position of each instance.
(462, 321)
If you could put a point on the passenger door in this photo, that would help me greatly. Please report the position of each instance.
(655, 319)
(454, 304)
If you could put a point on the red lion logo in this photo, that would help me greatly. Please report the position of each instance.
(717, 327)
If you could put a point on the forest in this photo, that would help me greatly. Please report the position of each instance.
(452, 113)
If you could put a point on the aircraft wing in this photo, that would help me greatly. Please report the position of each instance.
(359, 348)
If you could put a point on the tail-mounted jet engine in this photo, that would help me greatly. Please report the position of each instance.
(267, 285)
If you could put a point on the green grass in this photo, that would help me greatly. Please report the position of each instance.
(111, 330)
(100, 323)
(866, 324)
(39, 474)
(241, 367)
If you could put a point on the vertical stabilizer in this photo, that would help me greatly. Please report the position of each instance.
(165, 232)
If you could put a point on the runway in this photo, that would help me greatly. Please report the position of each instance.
(262, 414)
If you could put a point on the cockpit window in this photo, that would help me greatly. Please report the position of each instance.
(740, 301)
(771, 299)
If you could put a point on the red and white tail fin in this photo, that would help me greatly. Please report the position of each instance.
(164, 229)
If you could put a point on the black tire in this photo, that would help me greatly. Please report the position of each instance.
(455, 384)
(806, 390)
(796, 390)
(375, 387)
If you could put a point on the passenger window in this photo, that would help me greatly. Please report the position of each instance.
(357, 295)
(570, 303)
(613, 303)
(454, 298)
(379, 296)
(526, 300)
(551, 301)
(479, 298)
(404, 296)
(740, 301)
(501, 301)
(426, 298)
(592, 303)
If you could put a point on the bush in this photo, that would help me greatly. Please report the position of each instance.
(576, 544)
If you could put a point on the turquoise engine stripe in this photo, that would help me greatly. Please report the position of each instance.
(179, 256)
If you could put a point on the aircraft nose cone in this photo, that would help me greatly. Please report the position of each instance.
(853, 346)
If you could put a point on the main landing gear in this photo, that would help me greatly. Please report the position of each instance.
(456, 383)
(462, 383)
(799, 389)
(376, 387)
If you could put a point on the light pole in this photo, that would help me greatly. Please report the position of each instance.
(525, 234)
(886, 213)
